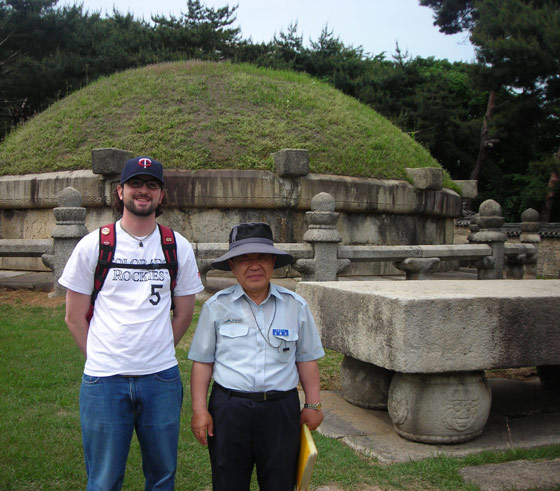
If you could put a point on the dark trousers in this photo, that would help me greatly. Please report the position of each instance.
(248, 433)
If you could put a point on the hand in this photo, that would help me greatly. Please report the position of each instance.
(311, 418)
(202, 426)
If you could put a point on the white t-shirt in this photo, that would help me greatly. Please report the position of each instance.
(130, 332)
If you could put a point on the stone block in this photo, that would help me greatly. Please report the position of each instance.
(291, 162)
(364, 384)
(435, 326)
(469, 188)
(425, 178)
(443, 408)
(109, 161)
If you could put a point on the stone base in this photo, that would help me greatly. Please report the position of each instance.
(365, 385)
(439, 408)
(550, 377)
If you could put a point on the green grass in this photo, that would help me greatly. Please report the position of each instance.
(203, 115)
(40, 442)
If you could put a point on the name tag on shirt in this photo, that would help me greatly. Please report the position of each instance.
(280, 332)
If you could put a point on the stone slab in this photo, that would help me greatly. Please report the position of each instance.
(436, 326)
(519, 475)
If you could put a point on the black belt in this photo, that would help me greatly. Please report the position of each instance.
(271, 395)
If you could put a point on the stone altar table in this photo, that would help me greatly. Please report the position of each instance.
(437, 337)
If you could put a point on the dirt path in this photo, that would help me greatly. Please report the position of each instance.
(29, 297)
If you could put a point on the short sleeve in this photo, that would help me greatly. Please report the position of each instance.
(79, 271)
(203, 345)
(188, 276)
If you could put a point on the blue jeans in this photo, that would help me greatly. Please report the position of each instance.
(111, 408)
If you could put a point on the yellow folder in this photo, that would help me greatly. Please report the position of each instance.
(307, 458)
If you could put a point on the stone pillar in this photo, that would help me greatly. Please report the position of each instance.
(69, 229)
(109, 162)
(474, 227)
(515, 266)
(364, 384)
(469, 191)
(530, 225)
(426, 178)
(439, 408)
(324, 237)
(417, 267)
(291, 162)
(490, 221)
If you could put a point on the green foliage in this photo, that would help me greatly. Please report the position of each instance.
(518, 52)
(202, 32)
(453, 16)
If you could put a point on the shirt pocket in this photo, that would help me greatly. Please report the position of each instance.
(233, 330)
(232, 342)
(286, 340)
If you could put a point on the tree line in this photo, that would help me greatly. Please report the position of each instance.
(495, 120)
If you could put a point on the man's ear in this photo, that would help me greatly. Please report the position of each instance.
(119, 191)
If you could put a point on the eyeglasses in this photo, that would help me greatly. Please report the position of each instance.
(138, 183)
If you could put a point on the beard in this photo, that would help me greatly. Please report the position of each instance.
(139, 212)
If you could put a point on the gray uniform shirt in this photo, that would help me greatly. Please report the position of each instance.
(255, 348)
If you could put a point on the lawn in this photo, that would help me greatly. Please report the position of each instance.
(40, 442)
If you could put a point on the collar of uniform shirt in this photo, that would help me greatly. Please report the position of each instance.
(238, 292)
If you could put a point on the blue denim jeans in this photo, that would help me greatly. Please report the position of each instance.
(111, 408)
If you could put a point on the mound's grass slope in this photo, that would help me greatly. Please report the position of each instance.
(204, 115)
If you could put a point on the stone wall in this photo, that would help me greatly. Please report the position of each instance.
(204, 205)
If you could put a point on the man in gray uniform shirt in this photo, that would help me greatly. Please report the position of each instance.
(257, 340)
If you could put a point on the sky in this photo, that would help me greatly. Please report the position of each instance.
(375, 25)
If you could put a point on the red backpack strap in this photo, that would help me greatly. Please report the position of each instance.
(169, 247)
(107, 245)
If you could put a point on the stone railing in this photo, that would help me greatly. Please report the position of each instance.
(69, 229)
(321, 257)
(25, 247)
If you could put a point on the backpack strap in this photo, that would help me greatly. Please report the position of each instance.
(107, 246)
(169, 247)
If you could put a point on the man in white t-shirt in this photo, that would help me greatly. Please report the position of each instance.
(131, 379)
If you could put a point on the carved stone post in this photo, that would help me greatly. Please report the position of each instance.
(69, 229)
(439, 407)
(365, 384)
(514, 267)
(417, 267)
(474, 227)
(324, 237)
(490, 221)
(530, 225)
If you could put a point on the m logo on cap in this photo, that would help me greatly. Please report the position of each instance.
(144, 162)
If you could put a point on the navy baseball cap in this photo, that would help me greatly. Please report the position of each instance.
(251, 238)
(142, 166)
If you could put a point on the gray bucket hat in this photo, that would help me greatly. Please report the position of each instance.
(251, 238)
